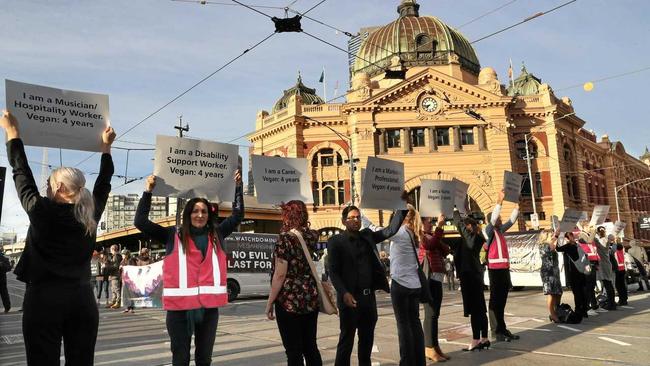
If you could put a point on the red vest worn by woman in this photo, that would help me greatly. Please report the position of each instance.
(591, 252)
(193, 282)
(620, 259)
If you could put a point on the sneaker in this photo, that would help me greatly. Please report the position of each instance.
(592, 312)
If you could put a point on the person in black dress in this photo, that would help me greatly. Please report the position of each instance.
(59, 301)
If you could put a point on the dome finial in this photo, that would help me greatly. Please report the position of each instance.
(408, 8)
(299, 80)
(523, 68)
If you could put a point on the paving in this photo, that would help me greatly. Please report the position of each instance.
(245, 337)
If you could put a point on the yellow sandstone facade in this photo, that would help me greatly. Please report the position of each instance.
(448, 118)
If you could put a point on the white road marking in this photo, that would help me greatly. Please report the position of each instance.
(627, 307)
(614, 341)
(537, 320)
(534, 329)
(569, 328)
(508, 314)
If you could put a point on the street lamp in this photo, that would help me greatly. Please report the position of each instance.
(348, 141)
(618, 188)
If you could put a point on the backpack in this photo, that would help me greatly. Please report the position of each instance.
(582, 263)
(566, 314)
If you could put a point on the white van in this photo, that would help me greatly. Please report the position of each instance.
(249, 258)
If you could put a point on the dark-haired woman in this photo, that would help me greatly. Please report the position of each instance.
(194, 271)
(294, 294)
(59, 302)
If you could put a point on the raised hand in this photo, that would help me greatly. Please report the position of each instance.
(150, 183)
(10, 124)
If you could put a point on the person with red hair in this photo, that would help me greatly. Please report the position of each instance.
(294, 292)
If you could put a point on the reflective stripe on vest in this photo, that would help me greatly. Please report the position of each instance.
(591, 252)
(498, 256)
(620, 259)
(191, 281)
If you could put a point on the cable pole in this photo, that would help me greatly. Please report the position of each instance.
(534, 218)
(179, 201)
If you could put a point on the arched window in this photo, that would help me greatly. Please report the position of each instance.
(520, 145)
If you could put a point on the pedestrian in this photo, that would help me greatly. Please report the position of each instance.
(294, 292)
(498, 264)
(102, 263)
(5, 266)
(94, 271)
(605, 274)
(550, 273)
(59, 302)
(575, 278)
(434, 250)
(144, 259)
(114, 277)
(586, 239)
(195, 260)
(385, 260)
(470, 273)
(128, 260)
(641, 259)
(356, 272)
(450, 272)
(619, 267)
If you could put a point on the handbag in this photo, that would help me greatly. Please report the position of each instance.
(326, 294)
(425, 291)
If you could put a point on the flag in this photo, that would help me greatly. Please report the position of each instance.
(322, 76)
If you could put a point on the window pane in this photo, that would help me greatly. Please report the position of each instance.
(417, 137)
(327, 160)
(341, 193)
(314, 191)
(442, 136)
(329, 197)
(392, 138)
(467, 136)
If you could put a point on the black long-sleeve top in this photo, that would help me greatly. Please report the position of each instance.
(166, 234)
(57, 246)
(467, 252)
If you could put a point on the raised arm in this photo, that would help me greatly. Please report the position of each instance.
(431, 242)
(391, 229)
(513, 218)
(23, 177)
(227, 226)
(141, 220)
(106, 169)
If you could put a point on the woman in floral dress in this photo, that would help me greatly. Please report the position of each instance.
(550, 273)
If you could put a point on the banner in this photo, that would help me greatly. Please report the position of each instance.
(524, 252)
(142, 286)
(460, 199)
(250, 252)
(383, 184)
(281, 179)
(512, 186)
(436, 197)
(58, 118)
(189, 168)
(569, 220)
(599, 215)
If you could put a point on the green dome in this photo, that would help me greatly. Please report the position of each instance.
(525, 84)
(417, 40)
(308, 96)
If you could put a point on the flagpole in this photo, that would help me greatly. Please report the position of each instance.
(324, 85)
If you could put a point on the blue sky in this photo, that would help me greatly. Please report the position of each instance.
(143, 53)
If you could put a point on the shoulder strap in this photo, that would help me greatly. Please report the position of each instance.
(415, 253)
(305, 250)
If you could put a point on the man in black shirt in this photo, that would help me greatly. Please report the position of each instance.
(356, 272)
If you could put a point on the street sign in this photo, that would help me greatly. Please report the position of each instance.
(644, 223)
(534, 220)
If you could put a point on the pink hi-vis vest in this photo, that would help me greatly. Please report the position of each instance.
(193, 282)
(591, 252)
(498, 257)
(620, 259)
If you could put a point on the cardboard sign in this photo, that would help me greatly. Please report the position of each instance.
(58, 118)
(191, 168)
(281, 179)
(599, 215)
(383, 184)
(249, 252)
(437, 197)
(512, 186)
(618, 227)
(460, 199)
(569, 220)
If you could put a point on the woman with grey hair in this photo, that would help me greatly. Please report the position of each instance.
(59, 302)
(605, 274)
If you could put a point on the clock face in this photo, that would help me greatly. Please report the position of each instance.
(429, 104)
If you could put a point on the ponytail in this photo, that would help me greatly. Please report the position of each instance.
(84, 211)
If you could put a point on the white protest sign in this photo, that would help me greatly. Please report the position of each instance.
(460, 197)
(569, 220)
(383, 184)
(618, 227)
(512, 186)
(58, 118)
(190, 168)
(436, 197)
(599, 215)
(281, 179)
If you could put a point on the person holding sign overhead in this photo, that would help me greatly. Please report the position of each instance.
(294, 291)
(498, 263)
(59, 301)
(194, 270)
(605, 273)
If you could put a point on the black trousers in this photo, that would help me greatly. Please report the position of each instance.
(578, 281)
(102, 284)
(590, 288)
(53, 312)
(471, 288)
(621, 287)
(205, 333)
(298, 332)
(363, 318)
(406, 306)
(4, 292)
(431, 315)
(609, 290)
(499, 287)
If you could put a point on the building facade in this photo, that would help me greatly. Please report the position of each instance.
(445, 117)
(120, 210)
